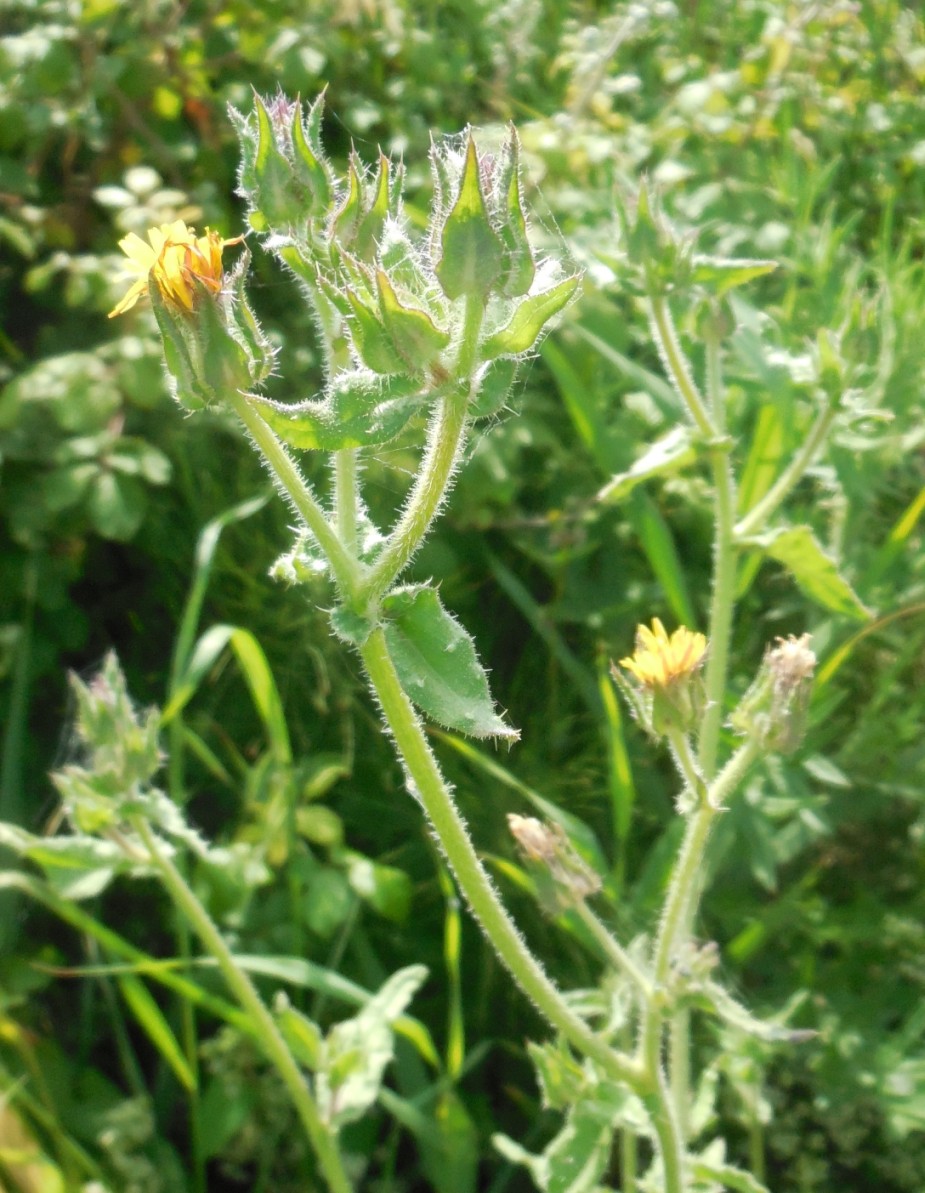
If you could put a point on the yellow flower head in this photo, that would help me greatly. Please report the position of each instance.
(178, 259)
(660, 660)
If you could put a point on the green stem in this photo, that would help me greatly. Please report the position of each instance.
(679, 913)
(444, 444)
(756, 1161)
(683, 886)
(676, 364)
(687, 766)
(670, 1143)
(724, 572)
(614, 951)
(428, 785)
(756, 518)
(287, 475)
(322, 1138)
(628, 1158)
(680, 1068)
(346, 497)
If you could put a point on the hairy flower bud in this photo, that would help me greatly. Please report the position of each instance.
(773, 710)
(564, 879)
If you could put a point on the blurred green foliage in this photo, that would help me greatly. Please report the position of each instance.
(789, 131)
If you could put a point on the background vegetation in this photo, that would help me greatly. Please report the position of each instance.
(793, 131)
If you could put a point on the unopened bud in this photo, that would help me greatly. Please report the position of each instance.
(565, 880)
(773, 710)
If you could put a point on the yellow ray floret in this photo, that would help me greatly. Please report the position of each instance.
(660, 660)
(177, 259)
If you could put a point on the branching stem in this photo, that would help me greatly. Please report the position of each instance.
(294, 486)
(429, 786)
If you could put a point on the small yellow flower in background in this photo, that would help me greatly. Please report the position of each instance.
(659, 659)
(178, 259)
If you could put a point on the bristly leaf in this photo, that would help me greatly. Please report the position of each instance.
(665, 457)
(361, 410)
(527, 323)
(815, 572)
(369, 229)
(519, 265)
(471, 253)
(350, 210)
(413, 332)
(495, 382)
(308, 158)
(437, 664)
(722, 274)
(356, 1051)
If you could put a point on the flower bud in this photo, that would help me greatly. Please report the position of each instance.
(471, 255)
(284, 175)
(657, 256)
(773, 710)
(564, 879)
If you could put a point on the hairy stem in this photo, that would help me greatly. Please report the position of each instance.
(679, 912)
(428, 784)
(722, 602)
(755, 520)
(285, 471)
(676, 363)
(615, 953)
(670, 1142)
(322, 1138)
(444, 443)
(346, 497)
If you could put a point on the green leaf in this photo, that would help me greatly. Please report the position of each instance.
(471, 254)
(372, 340)
(519, 265)
(665, 457)
(659, 545)
(150, 1018)
(78, 867)
(714, 998)
(328, 901)
(356, 1051)
(528, 321)
(161, 971)
(224, 1109)
(728, 1176)
(721, 274)
(361, 410)
(768, 445)
(347, 216)
(415, 335)
(302, 1034)
(495, 383)
(369, 229)
(437, 664)
(815, 572)
(256, 671)
(116, 505)
(278, 197)
(385, 888)
(308, 158)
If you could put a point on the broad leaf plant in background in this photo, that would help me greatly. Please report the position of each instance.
(423, 332)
